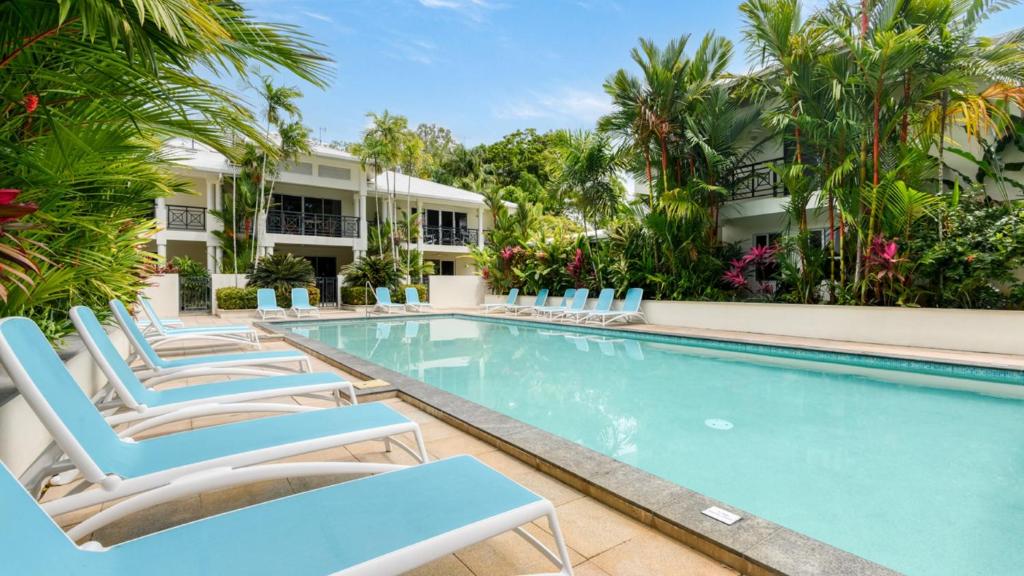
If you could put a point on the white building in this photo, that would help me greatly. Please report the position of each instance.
(322, 207)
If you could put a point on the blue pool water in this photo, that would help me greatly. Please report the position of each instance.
(922, 479)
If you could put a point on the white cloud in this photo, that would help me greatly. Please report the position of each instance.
(569, 105)
(471, 9)
(318, 16)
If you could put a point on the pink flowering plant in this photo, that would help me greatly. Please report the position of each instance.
(759, 260)
(886, 276)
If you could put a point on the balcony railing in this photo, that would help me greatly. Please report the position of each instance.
(756, 180)
(186, 218)
(311, 224)
(449, 236)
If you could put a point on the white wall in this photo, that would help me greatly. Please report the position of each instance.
(22, 435)
(457, 291)
(163, 291)
(992, 331)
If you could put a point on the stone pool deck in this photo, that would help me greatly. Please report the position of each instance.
(601, 540)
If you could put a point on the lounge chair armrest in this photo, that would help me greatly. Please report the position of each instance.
(218, 479)
(210, 410)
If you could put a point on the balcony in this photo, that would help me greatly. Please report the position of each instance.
(757, 180)
(449, 236)
(188, 218)
(312, 224)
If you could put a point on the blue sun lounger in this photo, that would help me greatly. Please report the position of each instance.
(412, 300)
(579, 301)
(630, 310)
(566, 300)
(158, 369)
(376, 526)
(123, 466)
(383, 296)
(300, 303)
(160, 334)
(513, 296)
(266, 304)
(140, 402)
(539, 302)
(603, 304)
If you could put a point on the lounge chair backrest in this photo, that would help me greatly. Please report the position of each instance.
(121, 376)
(266, 298)
(52, 393)
(542, 297)
(300, 298)
(412, 296)
(567, 297)
(135, 335)
(579, 301)
(150, 312)
(634, 297)
(30, 541)
(604, 300)
(513, 296)
(383, 295)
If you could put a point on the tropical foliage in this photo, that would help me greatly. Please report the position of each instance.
(88, 92)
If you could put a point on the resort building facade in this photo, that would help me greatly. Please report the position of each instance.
(322, 208)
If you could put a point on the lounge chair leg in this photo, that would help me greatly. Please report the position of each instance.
(64, 478)
(387, 444)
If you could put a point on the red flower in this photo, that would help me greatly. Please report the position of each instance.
(735, 278)
(970, 258)
(31, 103)
(7, 195)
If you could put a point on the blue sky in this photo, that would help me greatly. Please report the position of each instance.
(484, 68)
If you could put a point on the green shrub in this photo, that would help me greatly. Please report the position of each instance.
(357, 296)
(236, 298)
(245, 298)
(399, 298)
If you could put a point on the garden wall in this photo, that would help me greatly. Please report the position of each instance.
(457, 291)
(23, 438)
(162, 290)
(995, 331)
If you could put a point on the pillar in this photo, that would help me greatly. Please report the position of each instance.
(423, 222)
(363, 234)
(161, 211)
(480, 227)
(161, 247)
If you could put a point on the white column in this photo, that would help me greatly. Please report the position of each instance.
(218, 199)
(362, 212)
(211, 257)
(161, 211)
(161, 247)
(480, 227)
(423, 222)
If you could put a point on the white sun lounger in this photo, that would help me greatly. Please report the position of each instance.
(513, 296)
(579, 301)
(139, 402)
(160, 334)
(564, 304)
(377, 526)
(123, 466)
(157, 369)
(300, 303)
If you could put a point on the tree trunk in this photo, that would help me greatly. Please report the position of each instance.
(650, 178)
(905, 121)
(664, 162)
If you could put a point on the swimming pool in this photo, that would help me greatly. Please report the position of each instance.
(879, 462)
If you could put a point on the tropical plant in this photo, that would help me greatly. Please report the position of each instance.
(282, 272)
(374, 270)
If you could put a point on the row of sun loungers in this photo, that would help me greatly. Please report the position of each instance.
(573, 306)
(389, 521)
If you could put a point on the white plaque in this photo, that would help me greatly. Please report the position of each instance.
(723, 516)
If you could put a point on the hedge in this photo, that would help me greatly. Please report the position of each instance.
(245, 298)
(357, 296)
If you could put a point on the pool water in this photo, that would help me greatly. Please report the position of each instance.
(924, 480)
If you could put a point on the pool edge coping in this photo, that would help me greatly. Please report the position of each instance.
(753, 546)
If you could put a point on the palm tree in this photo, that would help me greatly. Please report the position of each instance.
(382, 146)
(587, 172)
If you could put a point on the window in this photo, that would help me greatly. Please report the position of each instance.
(447, 219)
(819, 238)
(766, 239)
(334, 172)
(300, 168)
(443, 267)
(771, 271)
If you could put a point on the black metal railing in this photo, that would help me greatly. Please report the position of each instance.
(312, 224)
(328, 287)
(449, 236)
(194, 293)
(186, 218)
(756, 180)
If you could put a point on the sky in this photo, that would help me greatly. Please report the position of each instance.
(485, 68)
